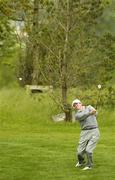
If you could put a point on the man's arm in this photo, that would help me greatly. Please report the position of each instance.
(92, 110)
(81, 115)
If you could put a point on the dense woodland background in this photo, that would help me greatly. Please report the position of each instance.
(68, 44)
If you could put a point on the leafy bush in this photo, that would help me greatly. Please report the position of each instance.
(104, 97)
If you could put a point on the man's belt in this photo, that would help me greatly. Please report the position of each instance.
(89, 128)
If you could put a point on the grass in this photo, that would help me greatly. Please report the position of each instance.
(33, 147)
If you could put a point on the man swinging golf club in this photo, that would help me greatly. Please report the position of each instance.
(89, 136)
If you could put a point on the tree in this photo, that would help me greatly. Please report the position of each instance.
(72, 40)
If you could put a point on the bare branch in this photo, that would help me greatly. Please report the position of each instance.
(50, 50)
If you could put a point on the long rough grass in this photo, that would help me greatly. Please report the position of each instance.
(33, 147)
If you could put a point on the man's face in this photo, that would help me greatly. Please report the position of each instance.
(77, 106)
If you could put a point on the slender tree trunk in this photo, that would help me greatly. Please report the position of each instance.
(64, 63)
(35, 30)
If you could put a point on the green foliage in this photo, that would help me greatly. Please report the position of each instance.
(7, 37)
(83, 54)
(51, 37)
(106, 22)
(99, 98)
(103, 58)
(8, 65)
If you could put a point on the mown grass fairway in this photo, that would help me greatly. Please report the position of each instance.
(32, 147)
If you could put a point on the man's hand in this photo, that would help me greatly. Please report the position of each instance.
(93, 111)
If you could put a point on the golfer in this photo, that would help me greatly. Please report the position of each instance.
(89, 136)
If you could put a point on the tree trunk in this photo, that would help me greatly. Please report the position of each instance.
(35, 30)
(64, 62)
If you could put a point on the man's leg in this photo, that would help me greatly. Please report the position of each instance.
(81, 149)
(81, 158)
(91, 146)
(89, 159)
